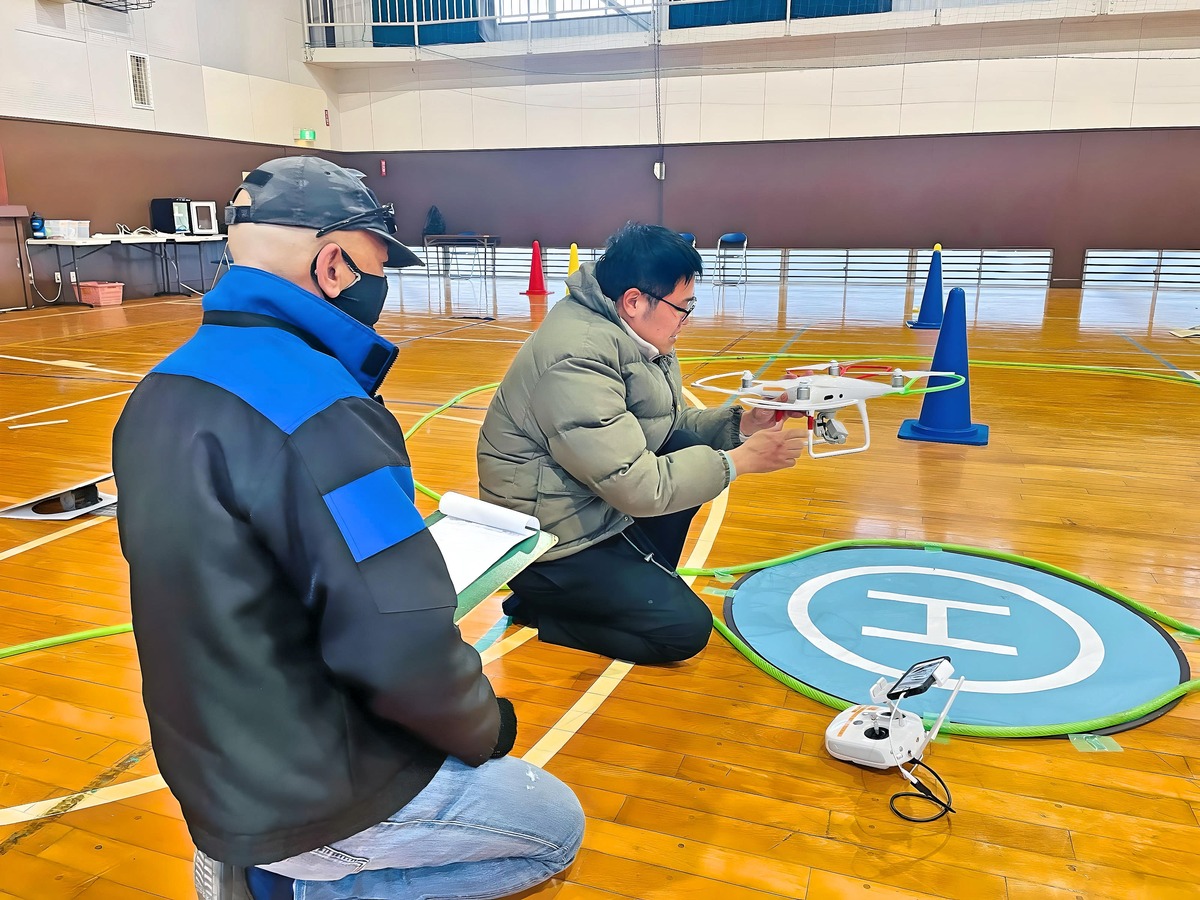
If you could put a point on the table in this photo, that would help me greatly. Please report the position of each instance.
(445, 243)
(164, 247)
(198, 241)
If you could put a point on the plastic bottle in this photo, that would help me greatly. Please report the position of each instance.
(38, 226)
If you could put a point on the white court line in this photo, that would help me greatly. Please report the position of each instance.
(71, 364)
(38, 424)
(38, 412)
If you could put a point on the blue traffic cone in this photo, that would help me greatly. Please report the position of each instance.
(930, 313)
(946, 415)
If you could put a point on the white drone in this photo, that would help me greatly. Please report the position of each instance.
(820, 389)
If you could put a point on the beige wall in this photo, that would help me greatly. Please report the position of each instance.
(219, 68)
(1119, 71)
(238, 70)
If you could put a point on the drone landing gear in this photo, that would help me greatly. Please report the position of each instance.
(823, 428)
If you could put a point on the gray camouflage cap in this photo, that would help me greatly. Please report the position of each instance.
(308, 192)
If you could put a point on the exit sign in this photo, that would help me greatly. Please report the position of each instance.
(308, 134)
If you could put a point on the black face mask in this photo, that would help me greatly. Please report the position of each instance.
(363, 298)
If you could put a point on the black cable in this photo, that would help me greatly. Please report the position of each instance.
(924, 794)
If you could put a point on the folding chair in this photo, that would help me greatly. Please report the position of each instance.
(732, 266)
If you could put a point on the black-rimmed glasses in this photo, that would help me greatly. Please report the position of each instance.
(385, 213)
(686, 310)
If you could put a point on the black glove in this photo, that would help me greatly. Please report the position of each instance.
(508, 728)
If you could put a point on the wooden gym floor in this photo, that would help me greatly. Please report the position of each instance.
(706, 779)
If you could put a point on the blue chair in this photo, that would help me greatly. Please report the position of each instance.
(732, 265)
(689, 237)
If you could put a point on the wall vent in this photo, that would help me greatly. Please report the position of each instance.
(139, 81)
(119, 5)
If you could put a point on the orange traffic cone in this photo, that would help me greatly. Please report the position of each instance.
(537, 279)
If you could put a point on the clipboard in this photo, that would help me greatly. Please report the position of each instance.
(498, 574)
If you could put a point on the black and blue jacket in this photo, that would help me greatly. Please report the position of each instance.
(302, 673)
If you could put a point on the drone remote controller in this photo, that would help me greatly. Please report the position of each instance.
(881, 735)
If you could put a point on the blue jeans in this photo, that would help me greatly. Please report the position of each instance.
(471, 834)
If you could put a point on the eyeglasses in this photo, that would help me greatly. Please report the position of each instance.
(686, 310)
(385, 213)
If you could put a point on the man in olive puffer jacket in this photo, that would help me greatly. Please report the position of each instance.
(590, 433)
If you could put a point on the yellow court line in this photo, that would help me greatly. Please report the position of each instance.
(439, 418)
(566, 727)
(27, 812)
(512, 642)
(574, 718)
(539, 754)
(54, 536)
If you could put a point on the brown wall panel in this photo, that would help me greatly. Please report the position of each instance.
(578, 195)
(1066, 190)
(1069, 191)
(109, 175)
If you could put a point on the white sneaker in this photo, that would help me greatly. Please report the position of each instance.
(217, 880)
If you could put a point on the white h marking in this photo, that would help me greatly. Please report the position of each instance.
(937, 628)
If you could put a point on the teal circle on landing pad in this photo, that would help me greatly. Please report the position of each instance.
(1037, 649)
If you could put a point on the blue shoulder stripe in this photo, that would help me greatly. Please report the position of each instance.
(274, 372)
(376, 511)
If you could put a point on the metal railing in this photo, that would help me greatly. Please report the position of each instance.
(778, 266)
(414, 23)
(1142, 268)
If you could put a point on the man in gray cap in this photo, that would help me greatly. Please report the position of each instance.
(313, 707)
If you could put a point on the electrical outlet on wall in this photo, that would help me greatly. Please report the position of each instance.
(72, 278)
(58, 277)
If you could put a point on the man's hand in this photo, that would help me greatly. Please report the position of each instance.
(769, 450)
(755, 418)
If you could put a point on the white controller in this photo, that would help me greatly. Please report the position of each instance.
(876, 736)
(882, 736)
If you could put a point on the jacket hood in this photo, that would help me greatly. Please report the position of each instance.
(584, 289)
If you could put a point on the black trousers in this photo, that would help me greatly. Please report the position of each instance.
(621, 597)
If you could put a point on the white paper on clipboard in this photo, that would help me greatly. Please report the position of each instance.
(475, 535)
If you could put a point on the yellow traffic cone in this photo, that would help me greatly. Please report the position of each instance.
(572, 265)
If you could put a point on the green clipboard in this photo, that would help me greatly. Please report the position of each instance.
(505, 568)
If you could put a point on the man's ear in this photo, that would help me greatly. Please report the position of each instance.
(629, 300)
(327, 270)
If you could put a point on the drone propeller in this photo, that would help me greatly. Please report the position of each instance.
(834, 367)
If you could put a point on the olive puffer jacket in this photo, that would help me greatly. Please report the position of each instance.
(571, 432)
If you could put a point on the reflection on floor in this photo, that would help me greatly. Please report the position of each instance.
(1143, 310)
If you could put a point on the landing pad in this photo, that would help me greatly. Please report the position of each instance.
(1038, 649)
